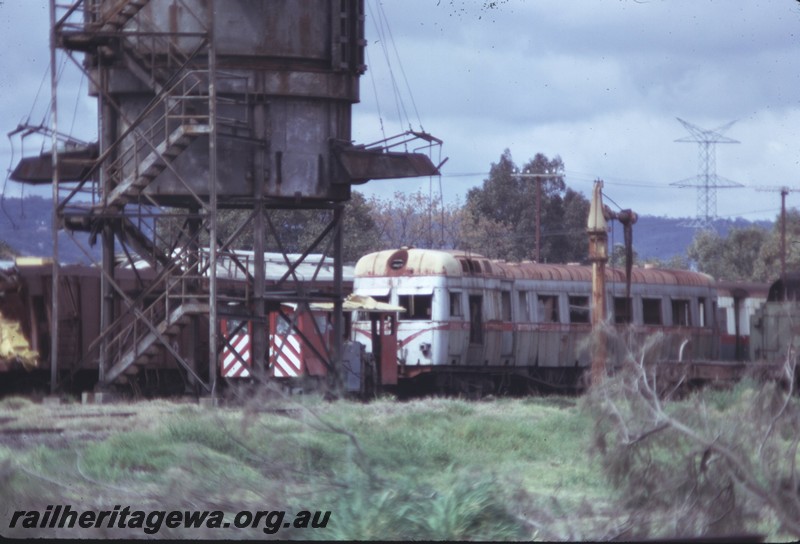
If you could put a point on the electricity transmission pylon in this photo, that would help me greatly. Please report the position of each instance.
(706, 181)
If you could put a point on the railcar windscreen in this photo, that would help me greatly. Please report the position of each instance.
(418, 307)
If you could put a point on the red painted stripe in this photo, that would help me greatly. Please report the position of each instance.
(402, 342)
(287, 366)
(281, 360)
(288, 346)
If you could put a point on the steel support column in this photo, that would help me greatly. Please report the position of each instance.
(213, 322)
(54, 338)
(338, 313)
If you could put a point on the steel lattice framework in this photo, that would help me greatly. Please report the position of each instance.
(198, 116)
(706, 181)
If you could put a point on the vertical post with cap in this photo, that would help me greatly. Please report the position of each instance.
(597, 229)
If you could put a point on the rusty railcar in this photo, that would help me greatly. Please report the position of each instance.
(473, 320)
(775, 326)
(738, 302)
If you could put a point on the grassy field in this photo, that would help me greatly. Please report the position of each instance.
(425, 469)
(440, 469)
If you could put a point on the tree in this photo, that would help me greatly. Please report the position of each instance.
(768, 263)
(732, 258)
(617, 257)
(487, 236)
(506, 204)
(416, 220)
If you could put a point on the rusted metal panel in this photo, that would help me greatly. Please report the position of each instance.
(73, 165)
(287, 74)
(362, 165)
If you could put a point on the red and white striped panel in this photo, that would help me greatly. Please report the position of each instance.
(286, 356)
(232, 366)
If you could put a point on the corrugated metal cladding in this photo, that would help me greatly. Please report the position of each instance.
(423, 262)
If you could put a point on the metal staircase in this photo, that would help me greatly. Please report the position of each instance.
(149, 168)
(178, 114)
(138, 343)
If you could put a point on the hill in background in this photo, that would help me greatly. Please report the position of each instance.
(666, 237)
(26, 226)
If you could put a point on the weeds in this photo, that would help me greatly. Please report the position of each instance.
(714, 463)
(429, 469)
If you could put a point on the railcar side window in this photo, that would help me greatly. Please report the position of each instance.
(548, 308)
(701, 308)
(579, 310)
(651, 311)
(284, 326)
(681, 316)
(475, 319)
(623, 310)
(505, 305)
(455, 304)
(524, 309)
(236, 326)
(418, 307)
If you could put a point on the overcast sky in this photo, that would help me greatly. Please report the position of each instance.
(598, 82)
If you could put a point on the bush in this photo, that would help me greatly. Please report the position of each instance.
(715, 463)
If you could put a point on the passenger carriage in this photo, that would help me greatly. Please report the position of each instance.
(466, 315)
(738, 303)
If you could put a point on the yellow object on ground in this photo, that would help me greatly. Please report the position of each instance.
(14, 345)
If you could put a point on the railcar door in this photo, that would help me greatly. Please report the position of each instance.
(476, 332)
(384, 338)
(235, 358)
(284, 347)
(506, 328)
(317, 335)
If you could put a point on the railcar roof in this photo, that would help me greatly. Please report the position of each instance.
(454, 263)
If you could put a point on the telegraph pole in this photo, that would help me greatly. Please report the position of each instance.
(783, 190)
(538, 178)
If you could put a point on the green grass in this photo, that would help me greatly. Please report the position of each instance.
(442, 469)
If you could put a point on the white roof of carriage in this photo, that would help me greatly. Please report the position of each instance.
(428, 262)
